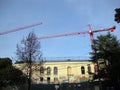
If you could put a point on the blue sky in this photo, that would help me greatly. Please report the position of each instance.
(58, 17)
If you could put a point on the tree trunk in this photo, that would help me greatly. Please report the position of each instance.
(29, 76)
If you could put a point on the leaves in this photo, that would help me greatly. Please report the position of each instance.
(108, 48)
(9, 74)
(117, 15)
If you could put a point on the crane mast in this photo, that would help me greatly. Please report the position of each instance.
(91, 33)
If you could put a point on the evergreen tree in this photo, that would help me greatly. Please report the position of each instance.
(9, 75)
(108, 48)
(117, 15)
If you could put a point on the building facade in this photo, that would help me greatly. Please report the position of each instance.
(59, 71)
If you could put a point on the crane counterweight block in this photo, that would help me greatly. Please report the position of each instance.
(112, 28)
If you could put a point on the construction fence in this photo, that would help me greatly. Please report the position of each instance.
(69, 86)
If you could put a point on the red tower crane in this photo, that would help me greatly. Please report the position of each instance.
(90, 32)
(20, 28)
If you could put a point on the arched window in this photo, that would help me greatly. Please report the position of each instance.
(82, 70)
(48, 70)
(89, 69)
(55, 70)
(69, 71)
(41, 70)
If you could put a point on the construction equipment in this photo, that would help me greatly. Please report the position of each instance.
(90, 32)
(20, 28)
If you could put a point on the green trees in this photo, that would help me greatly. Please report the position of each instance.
(10, 75)
(117, 15)
(108, 49)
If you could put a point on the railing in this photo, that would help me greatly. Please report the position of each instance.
(66, 58)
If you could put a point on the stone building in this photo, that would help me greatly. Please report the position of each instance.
(59, 71)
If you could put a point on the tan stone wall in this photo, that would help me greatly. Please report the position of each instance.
(62, 76)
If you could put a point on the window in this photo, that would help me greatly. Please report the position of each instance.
(41, 79)
(55, 70)
(48, 70)
(82, 70)
(69, 71)
(41, 70)
(55, 79)
(89, 69)
(48, 79)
